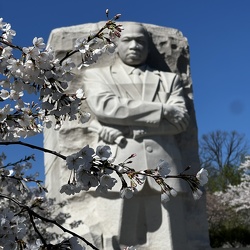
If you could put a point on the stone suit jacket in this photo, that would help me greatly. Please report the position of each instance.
(116, 103)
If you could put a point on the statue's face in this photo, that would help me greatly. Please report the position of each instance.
(133, 45)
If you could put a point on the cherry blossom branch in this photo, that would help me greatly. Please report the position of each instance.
(11, 199)
(34, 147)
(38, 71)
(60, 226)
(36, 229)
(20, 179)
(32, 214)
(26, 158)
(10, 44)
(110, 24)
(160, 173)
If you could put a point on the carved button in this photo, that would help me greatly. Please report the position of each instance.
(149, 149)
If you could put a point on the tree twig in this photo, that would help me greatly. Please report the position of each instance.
(44, 219)
(34, 147)
(35, 228)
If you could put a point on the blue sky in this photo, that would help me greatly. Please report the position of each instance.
(218, 32)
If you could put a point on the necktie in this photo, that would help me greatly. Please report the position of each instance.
(137, 79)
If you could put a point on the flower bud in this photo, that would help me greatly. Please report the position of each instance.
(117, 16)
(107, 12)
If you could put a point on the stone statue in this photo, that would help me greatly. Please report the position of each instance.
(150, 113)
(147, 111)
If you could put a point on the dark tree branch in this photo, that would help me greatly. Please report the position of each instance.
(34, 147)
(44, 219)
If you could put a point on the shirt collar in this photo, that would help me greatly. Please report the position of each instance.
(129, 69)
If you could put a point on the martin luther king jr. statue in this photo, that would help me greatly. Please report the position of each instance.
(140, 109)
(142, 104)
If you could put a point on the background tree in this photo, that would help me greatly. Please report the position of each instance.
(229, 212)
(221, 153)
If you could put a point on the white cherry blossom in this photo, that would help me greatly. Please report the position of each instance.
(85, 179)
(202, 176)
(84, 117)
(173, 192)
(82, 45)
(38, 43)
(197, 194)
(4, 94)
(6, 52)
(163, 168)
(165, 197)
(127, 193)
(74, 161)
(75, 245)
(2, 24)
(70, 189)
(68, 64)
(79, 93)
(103, 151)
(25, 120)
(31, 52)
(107, 181)
(4, 112)
(8, 32)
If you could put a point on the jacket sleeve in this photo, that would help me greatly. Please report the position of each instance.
(175, 115)
(109, 107)
(142, 117)
(174, 109)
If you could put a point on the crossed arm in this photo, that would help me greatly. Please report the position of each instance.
(142, 117)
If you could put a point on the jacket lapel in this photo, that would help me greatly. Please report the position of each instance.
(151, 83)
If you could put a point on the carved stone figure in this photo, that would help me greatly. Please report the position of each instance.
(149, 113)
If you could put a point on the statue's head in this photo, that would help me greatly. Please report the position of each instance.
(133, 45)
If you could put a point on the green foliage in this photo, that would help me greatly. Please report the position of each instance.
(220, 179)
(227, 228)
(223, 235)
(221, 153)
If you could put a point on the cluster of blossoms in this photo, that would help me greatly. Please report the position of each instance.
(24, 211)
(38, 71)
(34, 70)
(13, 190)
(89, 170)
(237, 196)
(95, 169)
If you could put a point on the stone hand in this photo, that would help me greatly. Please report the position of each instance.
(107, 134)
(110, 135)
(177, 116)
